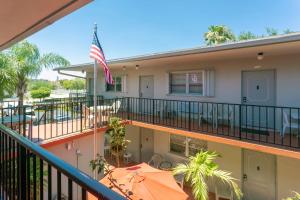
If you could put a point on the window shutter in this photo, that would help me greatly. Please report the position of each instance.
(167, 83)
(124, 83)
(209, 83)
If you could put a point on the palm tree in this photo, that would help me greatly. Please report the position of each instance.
(271, 31)
(246, 36)
(218, 34)
(201, 169)
(5, 76)
(26, 62)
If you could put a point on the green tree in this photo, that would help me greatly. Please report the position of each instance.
(36, 84)
(246, 36)
(75, 84)
(200, 169)
(40, 93)
(218, 34)
(78, 84)
(6, 73)
(271, 31)
(118, 142)
(288, 31)
(27, 62)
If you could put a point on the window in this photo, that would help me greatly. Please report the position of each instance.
(185, 146)
(186, 82)
(117, 87)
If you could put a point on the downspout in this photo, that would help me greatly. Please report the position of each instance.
(72, 75)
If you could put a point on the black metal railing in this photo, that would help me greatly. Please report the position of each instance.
(273, 125)
(45, 120)
(28, 171)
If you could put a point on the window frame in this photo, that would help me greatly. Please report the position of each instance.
(187, 84)
(115, 85)
(187, 146)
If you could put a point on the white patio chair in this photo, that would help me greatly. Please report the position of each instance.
(179, 179)
(115, 106)
(223, 191)
(288, 123)
(206, 114)
(88, 114)
(226, 114)
(155, 160)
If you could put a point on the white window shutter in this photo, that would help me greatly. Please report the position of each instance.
(209, 83)
(167, 83)
(124, 83)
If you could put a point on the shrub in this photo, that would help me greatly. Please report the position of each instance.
(40, 93)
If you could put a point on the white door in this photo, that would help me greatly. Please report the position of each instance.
(146, 94)
(147, 144)
(258, 88)
(259, 176)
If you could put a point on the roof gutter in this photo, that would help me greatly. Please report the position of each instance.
(72, 75)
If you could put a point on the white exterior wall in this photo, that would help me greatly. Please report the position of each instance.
(227, 79)
(85, 145)
(287, 176)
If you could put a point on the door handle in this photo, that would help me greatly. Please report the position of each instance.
(244, 99)
(245, 177)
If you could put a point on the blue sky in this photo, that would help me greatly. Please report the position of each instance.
(135, 27)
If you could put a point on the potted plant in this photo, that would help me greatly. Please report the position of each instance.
(99, 164)
(118, 142)
(200, 169)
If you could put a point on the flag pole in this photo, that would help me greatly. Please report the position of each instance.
(95, 104)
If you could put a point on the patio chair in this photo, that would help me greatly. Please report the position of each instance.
(224, 113)
(86, 113)
(214, 115)
(223, 191)
(155, 160)
(288, 123)
(205, 113)
(179, 179)
(115, 107)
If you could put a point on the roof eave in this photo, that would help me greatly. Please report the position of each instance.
(198, 50)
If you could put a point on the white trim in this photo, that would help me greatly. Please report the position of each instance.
(115, 87)
(187, 73)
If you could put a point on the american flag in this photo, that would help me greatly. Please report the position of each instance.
(97, 53)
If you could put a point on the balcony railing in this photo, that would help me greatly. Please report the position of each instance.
(28, 171)
(269, 125)
(40, 121)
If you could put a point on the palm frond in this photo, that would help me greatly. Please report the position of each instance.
(51, 60)
(226, 178)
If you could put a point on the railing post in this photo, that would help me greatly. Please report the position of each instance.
(24, 121)
(128, 101)
(153, 111)
(45, 115)
(81, 113)
(22, 172)
(240, 121)
(190, 123)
